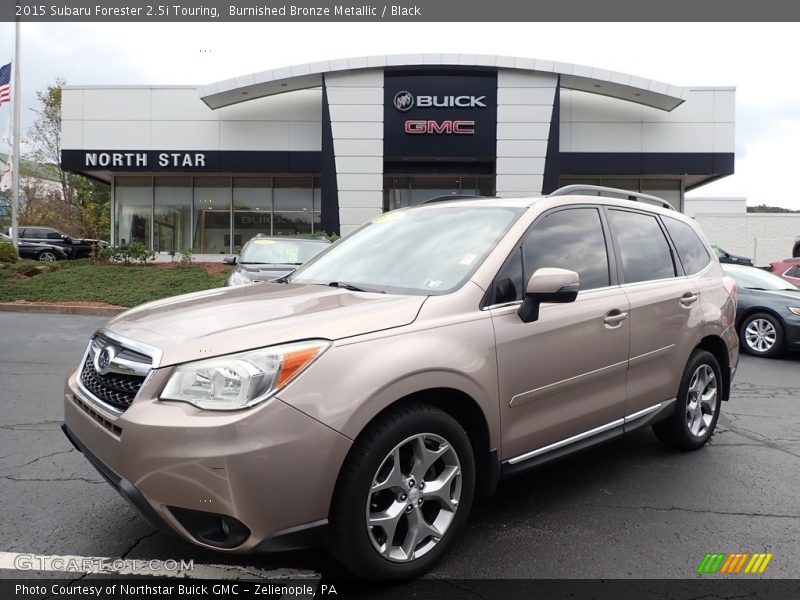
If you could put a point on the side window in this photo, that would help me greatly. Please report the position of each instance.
(34, 234)
(52, 235)
(691, 251)
(569, 239)
(645, 251)
(793, 272)
(508, 285)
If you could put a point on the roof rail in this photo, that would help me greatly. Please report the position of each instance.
(447, 197)
(599, 190)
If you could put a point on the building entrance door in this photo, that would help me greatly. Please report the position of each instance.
(409, 190)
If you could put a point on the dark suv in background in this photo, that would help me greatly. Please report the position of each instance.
(73, 247)
(43, 252)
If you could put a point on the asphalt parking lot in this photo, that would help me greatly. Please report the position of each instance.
(630, 509)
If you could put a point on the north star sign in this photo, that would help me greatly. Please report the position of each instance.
(140, 159)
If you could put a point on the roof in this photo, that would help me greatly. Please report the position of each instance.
(576, 77)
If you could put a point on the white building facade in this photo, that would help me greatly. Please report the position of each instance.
(328, 146)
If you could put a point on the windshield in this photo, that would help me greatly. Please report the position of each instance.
(280, 252)
(756, 279)
(428, 250)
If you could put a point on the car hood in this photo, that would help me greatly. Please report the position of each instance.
(226, 320)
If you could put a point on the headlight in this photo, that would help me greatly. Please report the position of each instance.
(241, 380)
(237, 278)
(795, 310)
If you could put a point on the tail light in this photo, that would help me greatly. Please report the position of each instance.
(730, 286)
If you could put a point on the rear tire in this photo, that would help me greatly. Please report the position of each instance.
(761, 334)
(697, 407)
(403, 495)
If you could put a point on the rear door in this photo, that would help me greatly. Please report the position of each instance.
(563, 375)
(665, 309)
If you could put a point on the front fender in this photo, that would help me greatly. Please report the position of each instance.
(358, 378)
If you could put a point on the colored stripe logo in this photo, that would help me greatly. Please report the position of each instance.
(734, 563)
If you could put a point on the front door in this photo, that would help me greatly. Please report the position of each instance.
(563, 375)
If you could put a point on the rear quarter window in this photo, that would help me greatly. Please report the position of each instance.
(691, 250)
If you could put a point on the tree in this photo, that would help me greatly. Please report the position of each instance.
(84, 202)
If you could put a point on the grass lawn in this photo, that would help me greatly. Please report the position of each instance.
(82, 281)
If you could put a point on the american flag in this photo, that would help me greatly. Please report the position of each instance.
(5, 84)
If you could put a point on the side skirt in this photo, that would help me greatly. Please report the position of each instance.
(587, 439)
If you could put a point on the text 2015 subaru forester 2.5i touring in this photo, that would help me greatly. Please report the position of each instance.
(366, 397)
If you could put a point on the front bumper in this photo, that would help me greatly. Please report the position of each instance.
(268, 473)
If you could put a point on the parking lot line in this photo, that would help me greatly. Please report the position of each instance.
(21, 561)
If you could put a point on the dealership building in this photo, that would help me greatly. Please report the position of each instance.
(327, 146)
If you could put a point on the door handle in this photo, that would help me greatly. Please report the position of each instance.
(688, 299)
(614, 318)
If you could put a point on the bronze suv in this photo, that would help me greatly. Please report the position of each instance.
(366, 397)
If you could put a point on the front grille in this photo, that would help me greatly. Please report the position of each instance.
(112, 388)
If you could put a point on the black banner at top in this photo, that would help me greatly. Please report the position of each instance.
(152, 11)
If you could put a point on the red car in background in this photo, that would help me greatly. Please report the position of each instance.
(788, 269)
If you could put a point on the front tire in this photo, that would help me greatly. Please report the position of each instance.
(761, 334)
(47, 256)
(697, 406)
(403, 495)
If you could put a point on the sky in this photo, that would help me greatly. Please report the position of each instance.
(758, 59)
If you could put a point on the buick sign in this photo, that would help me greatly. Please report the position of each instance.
(404, 101)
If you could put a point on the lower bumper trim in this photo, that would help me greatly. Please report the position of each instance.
(125, 488)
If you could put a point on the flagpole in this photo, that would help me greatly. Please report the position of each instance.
(16, 134)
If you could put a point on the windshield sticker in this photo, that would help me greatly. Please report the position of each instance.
(264, 242)
(433, 283)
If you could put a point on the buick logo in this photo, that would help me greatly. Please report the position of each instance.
(103, 359)
(403, 101)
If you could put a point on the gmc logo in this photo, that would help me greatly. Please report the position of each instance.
(448, 127)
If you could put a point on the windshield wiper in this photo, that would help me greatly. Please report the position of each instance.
(353, 288)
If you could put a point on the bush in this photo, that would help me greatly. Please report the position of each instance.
(8, 253)
(186, 256)
(127, 253)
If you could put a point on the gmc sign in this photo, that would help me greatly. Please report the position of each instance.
(438, 127)
(442, 114)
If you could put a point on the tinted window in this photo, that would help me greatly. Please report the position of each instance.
(52, 235)
(508, 285)
(691, 251)
(645, 252)
(569, 239)
(34, 234)
(793, 272)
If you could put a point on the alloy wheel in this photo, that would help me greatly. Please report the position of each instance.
(702, 399)
(760, 335)
(413, 497)
(47, 257)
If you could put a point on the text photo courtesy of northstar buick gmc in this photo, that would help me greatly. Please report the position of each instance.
(364, 399)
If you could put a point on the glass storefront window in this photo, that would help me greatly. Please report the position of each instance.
(400, 192)
(172, 222)
(252, 208)
(668, 189)
(133, 199)
(293, 205)
(212, 215)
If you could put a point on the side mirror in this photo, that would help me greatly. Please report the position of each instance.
(548, 285)
(229, 260)
(66, 238)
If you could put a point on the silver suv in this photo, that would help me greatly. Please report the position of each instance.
(368, 396)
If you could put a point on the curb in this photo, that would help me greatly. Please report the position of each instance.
(62, 309)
